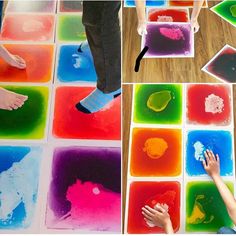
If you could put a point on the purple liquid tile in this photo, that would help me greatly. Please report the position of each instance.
(173, 40)
(85, 190)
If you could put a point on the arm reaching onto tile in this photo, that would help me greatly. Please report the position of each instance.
(158, 216)
(212, 166)
(140, 9)
(195, 13)
(12, 60)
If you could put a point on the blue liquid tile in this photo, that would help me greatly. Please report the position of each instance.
(76, 64)
(220, 142)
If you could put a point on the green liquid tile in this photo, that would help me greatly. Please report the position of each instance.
(205, 209)
(167, 109)
(29, 121)
(227, 9)
(70, 28)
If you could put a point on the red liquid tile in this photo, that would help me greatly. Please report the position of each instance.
(73, 124)
(176, 15)
(196, 107)
(28, 27)
(151, 193)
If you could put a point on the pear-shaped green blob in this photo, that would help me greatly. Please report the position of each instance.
(159, 101)
(233, 10)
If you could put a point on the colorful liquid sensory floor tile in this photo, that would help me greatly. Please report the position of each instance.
(85, 185)
(29, 27)
(198, 141)
(39, 64)
(152, 149)
(149, 193)
(70, 28)
(157, 104)
(165, 15)
(37, 6)
(30, 121)
(19, 178)
(168, 40)
(223, 65)
(209, 104)
(70, 123)
(75, 64)
(226, 10)
(203, 202)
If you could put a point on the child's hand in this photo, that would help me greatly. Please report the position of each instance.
(15, 61)
(195, 25)
(142, 28)
(211, 164)
(158, 216)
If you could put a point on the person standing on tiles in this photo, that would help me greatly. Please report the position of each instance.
(10, 100)
(141, 13)
(102, 26)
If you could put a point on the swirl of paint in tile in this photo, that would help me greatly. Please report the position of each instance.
(173, 34)
(159, 101)
(155, 147)
(214, 104)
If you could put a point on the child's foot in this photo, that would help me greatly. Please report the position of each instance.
(10, 100)
(96, 101)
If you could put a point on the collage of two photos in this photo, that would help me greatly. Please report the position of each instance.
(117, 117)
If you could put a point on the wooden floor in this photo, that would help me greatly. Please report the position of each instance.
(213, 35)
(127, 104)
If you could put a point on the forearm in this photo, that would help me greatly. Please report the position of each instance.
(196, 9)
(227, 196)
(169, 228)
(140, 9)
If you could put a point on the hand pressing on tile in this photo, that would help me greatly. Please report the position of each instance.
(158, 216)
(12, 60)
(10, 100)
(212, 166)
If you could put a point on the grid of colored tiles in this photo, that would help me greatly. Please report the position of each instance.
(209, 110)
(20, 206)
(207, 129)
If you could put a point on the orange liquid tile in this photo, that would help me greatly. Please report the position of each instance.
(39, 64)
(28, 28)
(151, 193)
(156, 152)
(73, 124)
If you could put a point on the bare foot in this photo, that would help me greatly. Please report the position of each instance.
(10, 100)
